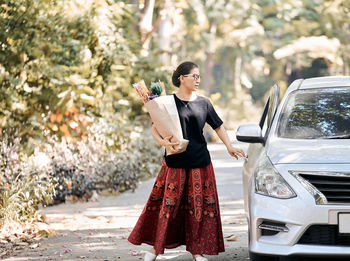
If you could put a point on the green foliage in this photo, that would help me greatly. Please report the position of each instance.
(40, 58)
(23, 187)
(318, 68)
(66, 74)
(20, 201)
(261, 86)
(265, 2)
(113, 157)
(156, 88)
(50, 61)
(273, 23)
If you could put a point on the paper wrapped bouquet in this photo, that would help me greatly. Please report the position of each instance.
(163, 111)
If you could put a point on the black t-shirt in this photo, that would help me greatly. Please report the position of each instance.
(193, 115)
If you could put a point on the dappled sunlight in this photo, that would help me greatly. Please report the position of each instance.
(235, 212)
(233, 163)
(315, 46)
(170, 254)
(99, 230)
(112, 211)
(233, 203)
(97, 218)
(232, 208)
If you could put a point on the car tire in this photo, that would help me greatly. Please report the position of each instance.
(257, 257)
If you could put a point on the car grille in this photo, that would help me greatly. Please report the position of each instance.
(335, 188)
(324, 235)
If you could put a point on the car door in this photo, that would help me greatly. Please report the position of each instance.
(255, 149)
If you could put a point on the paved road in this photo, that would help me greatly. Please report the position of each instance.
(98, 230)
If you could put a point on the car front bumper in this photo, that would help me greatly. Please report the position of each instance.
(297, 215)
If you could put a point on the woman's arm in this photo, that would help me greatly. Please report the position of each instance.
(164, 142)
(235, 152)
(156, 136)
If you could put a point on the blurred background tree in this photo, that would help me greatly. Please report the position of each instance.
(77, 60)
(64, 63)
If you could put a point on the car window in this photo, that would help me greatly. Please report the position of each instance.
(316, 113)
(270, 110)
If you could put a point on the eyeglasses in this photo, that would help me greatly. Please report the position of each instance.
(196, 77)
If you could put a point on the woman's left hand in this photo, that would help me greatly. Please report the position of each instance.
(236, 152)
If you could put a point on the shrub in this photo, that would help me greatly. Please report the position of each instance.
(23, 188)
(113, 157)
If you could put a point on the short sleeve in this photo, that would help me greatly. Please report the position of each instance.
(212, 117)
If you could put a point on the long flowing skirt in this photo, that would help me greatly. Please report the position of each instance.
(183, 209)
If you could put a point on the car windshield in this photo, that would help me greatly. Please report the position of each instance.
(316, 114)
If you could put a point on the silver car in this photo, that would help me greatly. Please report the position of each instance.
(297, 175)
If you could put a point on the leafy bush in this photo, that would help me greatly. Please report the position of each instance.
(50, 62)
(23, 188)
(65, 83)
(113, 157)
(20, 200)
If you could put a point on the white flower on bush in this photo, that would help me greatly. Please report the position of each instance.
(123, 102)
(135, 135)
(41, 160)
(110, 142)
(73, 124)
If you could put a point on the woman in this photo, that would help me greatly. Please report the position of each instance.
(183, 208)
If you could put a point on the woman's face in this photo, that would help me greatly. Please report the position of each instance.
(191, 81)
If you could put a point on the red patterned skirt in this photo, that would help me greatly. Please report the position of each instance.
(183, 209)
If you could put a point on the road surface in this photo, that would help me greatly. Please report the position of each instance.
(98, 230)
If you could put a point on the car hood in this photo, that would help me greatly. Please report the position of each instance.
(317, 151)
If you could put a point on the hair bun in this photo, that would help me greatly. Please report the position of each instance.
(175, 78)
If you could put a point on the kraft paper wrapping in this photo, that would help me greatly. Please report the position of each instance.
(166, 120)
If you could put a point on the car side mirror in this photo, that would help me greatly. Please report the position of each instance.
(250, 133)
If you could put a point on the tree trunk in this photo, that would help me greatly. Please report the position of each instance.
(145, 25)
(134, 3)
(237, 75)
(207, 84)
(165, 31)
(208, 70)
(346, 63)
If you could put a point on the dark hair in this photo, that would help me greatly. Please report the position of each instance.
(182, 69)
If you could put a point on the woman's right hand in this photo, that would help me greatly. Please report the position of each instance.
(166, 142)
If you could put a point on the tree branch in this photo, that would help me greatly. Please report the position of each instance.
(155, 27)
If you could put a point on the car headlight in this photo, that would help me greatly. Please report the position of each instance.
(269, 182)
